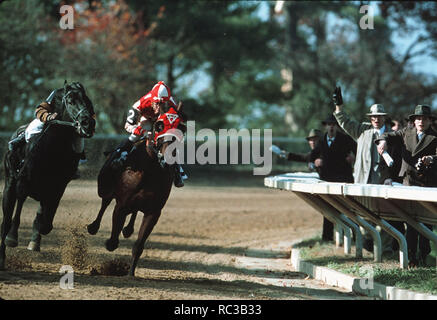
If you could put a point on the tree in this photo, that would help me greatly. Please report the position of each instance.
(27, 61)
(104, 52)
(362, 61)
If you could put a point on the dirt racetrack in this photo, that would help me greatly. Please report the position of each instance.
(214, 242)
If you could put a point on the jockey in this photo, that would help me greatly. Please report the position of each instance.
(45, 112)
(145, 111)
(140, 120)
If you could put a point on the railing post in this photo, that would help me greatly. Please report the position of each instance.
(329, 214)
(403, 252)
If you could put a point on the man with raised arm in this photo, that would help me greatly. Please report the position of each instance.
(370, 167)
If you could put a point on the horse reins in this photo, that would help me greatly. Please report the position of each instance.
(75, 123)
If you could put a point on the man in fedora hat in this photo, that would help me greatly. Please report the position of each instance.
(370, 168)
(313, 139)
(419, 144)
(333, 158)
(334, 154)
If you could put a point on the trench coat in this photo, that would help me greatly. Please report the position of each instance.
(367, 156)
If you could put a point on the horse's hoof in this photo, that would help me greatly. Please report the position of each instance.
(111, 245)
(34, 246)
(11, 242)
(127, 232)
(92, 228)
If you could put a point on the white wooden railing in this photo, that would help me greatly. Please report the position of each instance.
(350, 206)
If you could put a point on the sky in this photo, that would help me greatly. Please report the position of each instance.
(424, 64)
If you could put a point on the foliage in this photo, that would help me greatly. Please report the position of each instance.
(364, 62)
(229, 66)
(25, 61)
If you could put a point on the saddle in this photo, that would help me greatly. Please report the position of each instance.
(109, 174)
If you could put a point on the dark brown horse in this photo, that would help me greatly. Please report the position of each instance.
(144, 186)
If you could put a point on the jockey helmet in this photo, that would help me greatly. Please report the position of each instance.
(161, 92)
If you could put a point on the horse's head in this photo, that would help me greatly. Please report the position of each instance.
(169, 128)
(78, 108)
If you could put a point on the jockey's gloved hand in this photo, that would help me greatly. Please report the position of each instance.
(139, 131)
(337, 97)
(52, 116)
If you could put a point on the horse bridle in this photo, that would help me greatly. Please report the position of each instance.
(75, 123)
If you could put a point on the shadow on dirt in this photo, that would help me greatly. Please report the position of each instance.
(198, 285)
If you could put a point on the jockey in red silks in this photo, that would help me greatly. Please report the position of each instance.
(145, 111)
(140, 120)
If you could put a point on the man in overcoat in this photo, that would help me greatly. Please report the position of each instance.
(370, 167)
(333, 157)
(419, 155)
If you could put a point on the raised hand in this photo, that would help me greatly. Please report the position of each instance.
(337, 97)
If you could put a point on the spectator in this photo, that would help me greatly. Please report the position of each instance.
(434, 125)
(313, 139)
(419, 145)
(334, 154)
(333, 158)
(370, 168)
(395, 125)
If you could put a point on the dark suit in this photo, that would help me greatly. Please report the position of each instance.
(412, 151)
(335, 168)
(299, 157)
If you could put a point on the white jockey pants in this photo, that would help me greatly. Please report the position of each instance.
(36, 127)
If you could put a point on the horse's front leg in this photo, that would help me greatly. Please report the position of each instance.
(12, 236)
(95, 225)
(147, 225)
(8, 204)
(35, 239)
(118, 219)
(129, 229)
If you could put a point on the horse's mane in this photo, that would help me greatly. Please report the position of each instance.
(80, 87)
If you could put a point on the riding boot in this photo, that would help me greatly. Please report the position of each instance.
(122, 153)
(16, 142)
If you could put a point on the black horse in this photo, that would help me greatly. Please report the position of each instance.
(42, 168)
